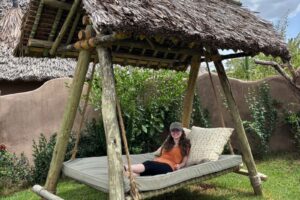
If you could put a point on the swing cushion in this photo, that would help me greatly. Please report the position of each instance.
(207, 144)
(93, 171)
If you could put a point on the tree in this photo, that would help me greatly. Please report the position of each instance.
(244, 69)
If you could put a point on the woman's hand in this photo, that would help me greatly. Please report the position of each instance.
(177, 166)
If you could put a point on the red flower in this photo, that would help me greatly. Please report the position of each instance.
(2, 147)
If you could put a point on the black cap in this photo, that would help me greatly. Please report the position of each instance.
(176, 125)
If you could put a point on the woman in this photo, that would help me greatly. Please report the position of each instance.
(174, 154)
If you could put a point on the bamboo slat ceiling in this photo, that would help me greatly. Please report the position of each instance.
(161, 33)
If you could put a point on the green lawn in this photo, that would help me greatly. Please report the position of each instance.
(283, 183)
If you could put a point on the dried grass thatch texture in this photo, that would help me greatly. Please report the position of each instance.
(214, 23)
(27, 69)
(5, 5)
(10, 25)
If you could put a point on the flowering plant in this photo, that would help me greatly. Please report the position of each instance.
(3, 147)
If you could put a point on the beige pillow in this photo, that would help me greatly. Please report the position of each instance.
(187, 131)
(207, 143)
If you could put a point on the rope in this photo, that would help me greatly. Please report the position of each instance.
(133, 188)
(75, 149)
(218, 105)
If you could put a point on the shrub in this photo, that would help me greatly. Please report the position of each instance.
(15, 172)
(92, 140)
(150, 101)
(264, 117)
(293, 119)
(200, 116)
(42, 155)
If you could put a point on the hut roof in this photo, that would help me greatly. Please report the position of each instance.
(32, 69)
(5, 5)
(184, 24)
(26, 68)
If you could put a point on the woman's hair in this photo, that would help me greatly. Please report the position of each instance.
(184, 144)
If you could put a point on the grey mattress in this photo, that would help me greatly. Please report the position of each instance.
(93, 171)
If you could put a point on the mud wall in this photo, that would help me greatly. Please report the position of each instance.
(23, 116)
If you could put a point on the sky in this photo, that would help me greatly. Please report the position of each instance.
(274, 10)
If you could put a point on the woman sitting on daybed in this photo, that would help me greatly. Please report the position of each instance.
(174, 154)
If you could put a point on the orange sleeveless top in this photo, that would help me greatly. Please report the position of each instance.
(171, 157)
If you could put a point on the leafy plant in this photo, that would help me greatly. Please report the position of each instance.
(264, 116)
(200, 117)
(92, 140)
(42, 155)
(150, 101)
(293, 119)
(15, 172)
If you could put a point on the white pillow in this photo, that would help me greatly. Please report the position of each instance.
(207, 144)
(187, 131)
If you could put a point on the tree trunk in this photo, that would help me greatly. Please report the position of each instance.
(112, 132)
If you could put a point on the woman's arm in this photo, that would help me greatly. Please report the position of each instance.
(157, 153)
(182, 164)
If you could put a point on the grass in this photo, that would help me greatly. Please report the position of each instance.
(283, 183)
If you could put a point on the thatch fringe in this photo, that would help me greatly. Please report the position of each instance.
(28, 69)
(10, 26)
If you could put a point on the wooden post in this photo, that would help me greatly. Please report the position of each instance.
(111, 127)
(189, 96)
(244, 144)
(68, 120)
(87, 97)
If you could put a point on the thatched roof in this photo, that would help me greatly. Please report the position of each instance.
(188, 24)
(32, 69)
(25, 68)
(5, 5)
(214, 23)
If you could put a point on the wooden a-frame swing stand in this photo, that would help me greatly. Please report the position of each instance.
(110, 121)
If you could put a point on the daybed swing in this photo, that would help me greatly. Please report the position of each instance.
(155, 34)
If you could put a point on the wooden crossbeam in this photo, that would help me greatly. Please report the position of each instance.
(37, 19)
(54, 25)
(64, 27)
(245, 172)
(73, 29)
(146, 58)
(224, 57)
(39, 43)
(161, 48)
(57, 4)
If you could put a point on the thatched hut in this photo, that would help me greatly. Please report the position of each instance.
(145, 33)
(24, 74)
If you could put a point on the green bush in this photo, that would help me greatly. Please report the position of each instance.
(92, 140)
(200, 116)
(42, 155)
(264, 115)
(150, 101)
(15, 172)
(293, 119)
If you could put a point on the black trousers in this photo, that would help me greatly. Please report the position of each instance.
(155, 168)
